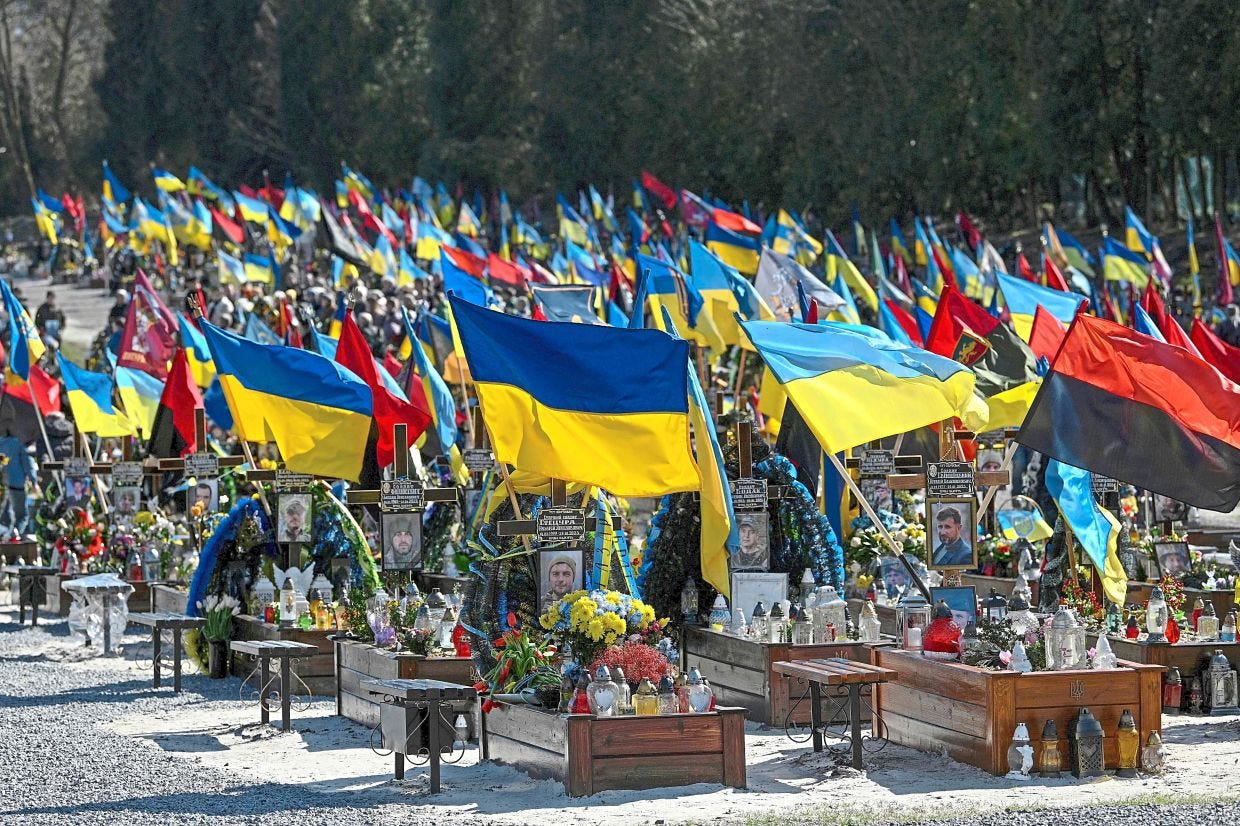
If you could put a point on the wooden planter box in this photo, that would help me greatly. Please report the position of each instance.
(1003, 585)
(1224, 601)
(591, 754)
(445, 584)
(1186, 656)
(357, 661)
(971, 712)
(318, 671)
(740, 673)
(20, 552)
(169, 598)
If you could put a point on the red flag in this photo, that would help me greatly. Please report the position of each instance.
(537, 314)
(231, 229)
(505, 272)
(1174, 334)
(906, 321)
(659, 189)
(147, 343)
(1224, 357)
(811, 315)
(172, 434)
(1153, 304)
(735, 222)
(472, 264)
(1046, 334)
(1054, 278)
(353, 353)
(1025, 271)
(41, 388)
(970, 231)
(392, 364)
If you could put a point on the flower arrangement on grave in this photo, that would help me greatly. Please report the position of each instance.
(152, 538)
(994, 552)
(638, 660)
(1173, 594)
(592, 621)
(219, 611)
(800, 535)
(523, 660)
(1078, 594)
(996, 640)
(867, 544)
(79, 540)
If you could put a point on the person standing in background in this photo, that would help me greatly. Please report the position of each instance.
(19, 469)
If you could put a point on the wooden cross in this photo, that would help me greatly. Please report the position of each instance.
(480, 458)
(876, 463)
(560, 523)
(203, 456)
(413, 488)
(949, 450)
(753, 494)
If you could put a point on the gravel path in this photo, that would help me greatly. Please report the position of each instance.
(87, 740)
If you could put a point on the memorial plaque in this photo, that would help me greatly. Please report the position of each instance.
(879, 463)
(561, 525)
(1103, 484)
(288, 482)
(749, 495)
(402, 495)
(478, 460)
(952, 479)
(127, 474)
(76, 466)
(202, 464)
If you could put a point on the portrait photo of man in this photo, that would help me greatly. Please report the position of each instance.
(952, 533)
(77, 491)
(204, 492)
(755, 550)
(293, 524)
(560, 572)
(402, 541)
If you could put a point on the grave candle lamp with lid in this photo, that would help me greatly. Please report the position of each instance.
(602, 693)
(994, 606)
(1173, 692)
(1050, 760)
(719, 614)
(689, 602)
(1065, 642)
(830, 616)
(1156, 615)
(1221, 685)
(1128, 745)
(942, 638)
(913, 617)
(758, 622)
(1086, 745)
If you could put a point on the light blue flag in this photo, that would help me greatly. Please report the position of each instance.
(1142, 323)
(1094, 527)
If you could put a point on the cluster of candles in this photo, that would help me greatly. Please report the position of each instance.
(608, 694)
(1085, 756)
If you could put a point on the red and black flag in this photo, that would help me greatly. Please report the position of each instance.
(1125, 405)
(172, 433)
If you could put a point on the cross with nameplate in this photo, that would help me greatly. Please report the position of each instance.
(401, 495)
(877, 463)
(951, 476)
(556, 523)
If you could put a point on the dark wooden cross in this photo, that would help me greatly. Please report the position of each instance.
(949, 451)
(750, 493)
(203, 456)
(400, 473)
(480, 458)
(558, 523)
(876, 463)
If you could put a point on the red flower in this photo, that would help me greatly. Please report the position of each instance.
(487, 706)
(512, 619)
(480, 686)
(500, 643)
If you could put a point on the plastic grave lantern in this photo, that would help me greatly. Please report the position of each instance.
(994, 606)
(913, 618)
(1156, 617)
(1050, 761)
(602, 693)
(1207, 624)
(758, 622)
(1173, 691)
(689, 602)
(1086, 743)
(1065, 642)
(1128, 744)
(719, 613)
(1221, 685)
(831, 616)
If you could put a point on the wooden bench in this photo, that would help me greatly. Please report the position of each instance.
(177, 624)
(285, 651)
(31, 589)
(836, 672)
(407, 705)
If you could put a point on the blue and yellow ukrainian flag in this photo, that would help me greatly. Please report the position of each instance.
(251, 209)
(317, 412)
(898, 245)
(231, 269)
(666, 286)
(197, 354)
(25, 345)
(852, 389)
(90, 399)
(46, 221)
(259, 268)
(737, 251)
(838, 263)
(140, 393)
(1094, 527)
(113, 189)
(544, 419)
(714, 280)
(166, 181)
(1024, 297)
(1122, 264)
(438, 396)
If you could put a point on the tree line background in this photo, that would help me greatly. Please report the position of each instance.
(997, 106)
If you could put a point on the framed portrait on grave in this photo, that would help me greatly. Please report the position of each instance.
(1172, 557)
(961, 599)
(401, 539)
(892, 575)
(751, 587)
(206, 491)
(294, 516)
(1167, 509)
(951, 533)
(77, 491)
(755, 538)
(126, 501)
(560, 571)
(877, 492)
